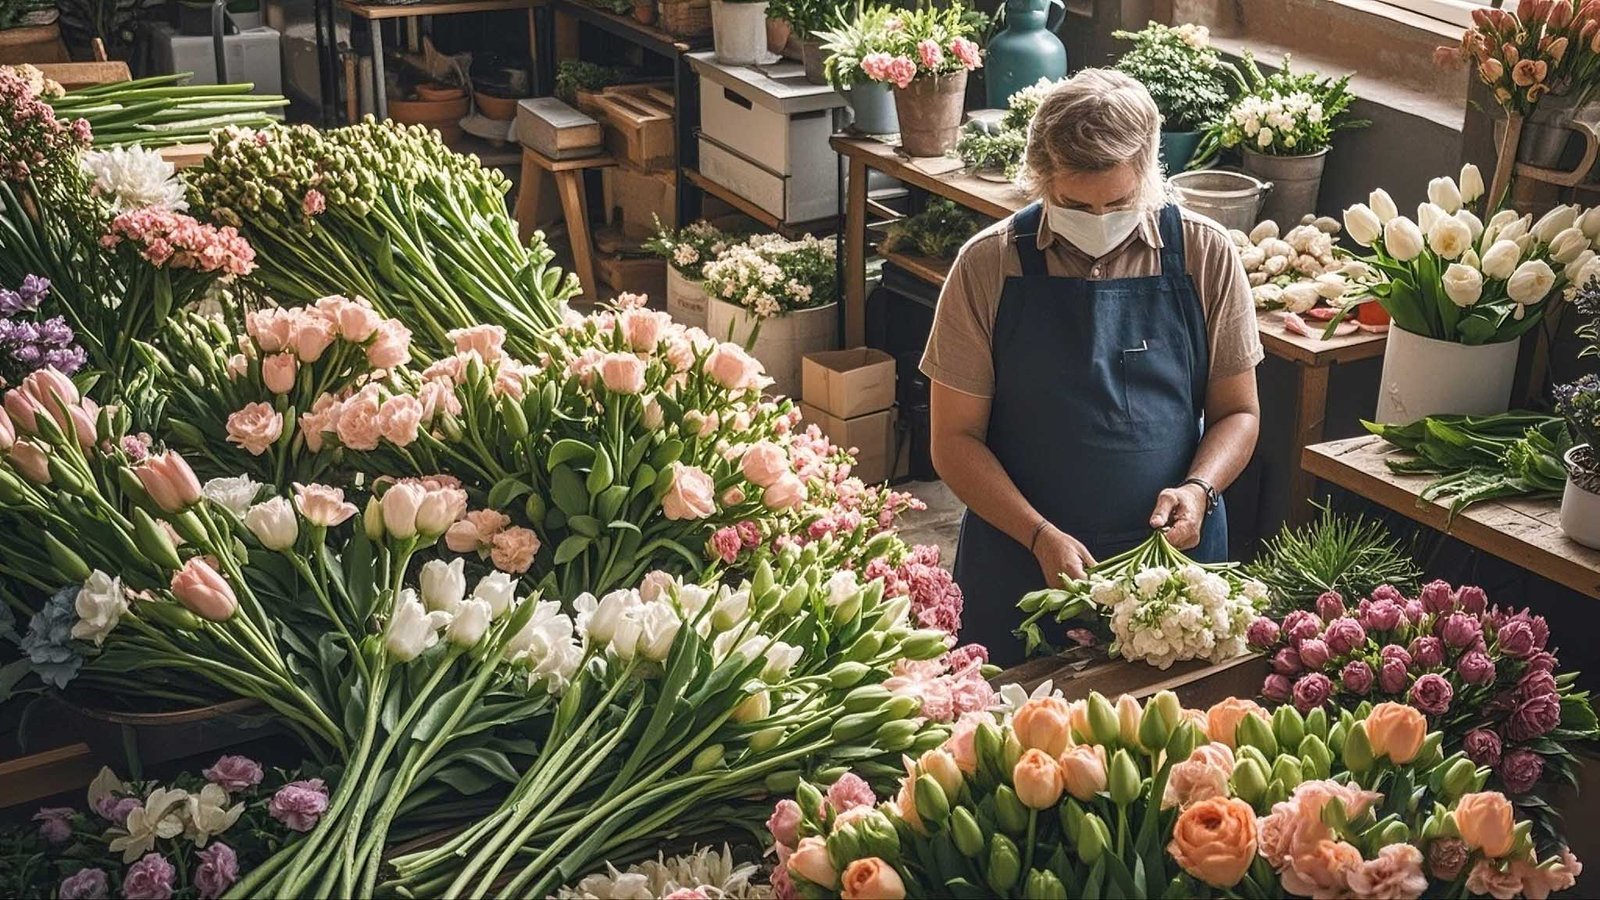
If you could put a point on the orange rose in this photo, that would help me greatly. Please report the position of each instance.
(1083, 770)
(1044, 723)
(1222, 720)
(872, 879)
(1485, 822)
(1397, 731)
(1037, 779)
(1215, 840)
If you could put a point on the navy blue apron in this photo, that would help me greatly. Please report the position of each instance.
(1099, 392)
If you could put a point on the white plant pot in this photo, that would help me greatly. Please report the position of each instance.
(783, 340)
(1580, 504)
(739, 32)
(686, 299)
(1425, 377)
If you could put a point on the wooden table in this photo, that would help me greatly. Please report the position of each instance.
(1312, 357)
(1523, 532)
(375, 14)
(1197, 682)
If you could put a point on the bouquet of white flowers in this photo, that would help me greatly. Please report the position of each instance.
(769, 275)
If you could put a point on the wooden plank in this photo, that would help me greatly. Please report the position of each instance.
(29, 778)
(1310, 412)
(638, 130)
(413, 10)
(85, 74)
(1522, 531)
(1314, 351)
(924, 268)
(183, 156)
(987, 197)
(1198, 683)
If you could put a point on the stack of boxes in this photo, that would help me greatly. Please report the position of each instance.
(849, 394)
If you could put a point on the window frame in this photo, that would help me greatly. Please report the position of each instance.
(1454, 12)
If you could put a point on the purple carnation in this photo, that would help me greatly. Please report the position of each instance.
(1314, 653)
(1356, 676)
(1520, 770)
(1287, 662)
(1482, 746)
(1536, 716)
(55, 823)
(1393, 676)
(1330, 605)
(1395, 651)
(1437, 597)
(148, 879)
(1432, 694)
(1388, 592)
(1300, 625)
(1277, 688)
(84, 884)
(1427, 651)
(1380, 615)
(218, 870)
(1459, 630)
(1344, 635)
(234, 773)
(1476, 668)
(1515, 638)
(115, 809)
(299, 804)
(1472, 599)
(1312, 691)
(1262, 633)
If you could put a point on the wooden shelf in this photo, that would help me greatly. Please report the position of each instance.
(789, 230)
(1525, 532)
(630, 30)
(378, 11)
(924, 268)
(1314, 351)
(993, 199)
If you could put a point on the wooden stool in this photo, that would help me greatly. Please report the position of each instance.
(568, 175)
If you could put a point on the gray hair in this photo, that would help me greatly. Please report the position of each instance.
(1096, 120)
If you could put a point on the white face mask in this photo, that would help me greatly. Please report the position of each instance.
(1095, 235)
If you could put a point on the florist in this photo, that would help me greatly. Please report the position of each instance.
(1077, 349)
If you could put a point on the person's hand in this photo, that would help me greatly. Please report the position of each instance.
(1180, 512)
(1060, 554)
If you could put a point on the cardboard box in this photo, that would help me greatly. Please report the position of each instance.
(641, 199)
(872, 436)
(848, 383)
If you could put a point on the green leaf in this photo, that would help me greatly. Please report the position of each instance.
(600, 475)
(507, 490)
(439, 711)
(670, 451)
(568, 450)
(567, 488)
(570, 548)
(587, 526)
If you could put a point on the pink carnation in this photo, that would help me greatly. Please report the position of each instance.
(967, 52)
(849, 792)
(299, 804)
(930, 52)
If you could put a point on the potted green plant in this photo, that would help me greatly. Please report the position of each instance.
(1283, 124)
(993, 148)
(1187, 78)
(739, 31)
(1579, 404)
(936, 232)
(925, 54)
(808, 21)
(852, 39)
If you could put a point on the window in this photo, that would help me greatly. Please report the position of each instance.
(1456, 12)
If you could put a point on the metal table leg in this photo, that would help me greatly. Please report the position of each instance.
(379, 92)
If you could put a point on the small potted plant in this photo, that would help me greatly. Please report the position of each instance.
(687, 250)
(1283, 124)
(1541, 63)
(739, 31)
(1188, 80)
(936, 232)
(1579, 404)
(779, 298)
(993, 148)
(925, 55)
(808, 22)
(855, 36)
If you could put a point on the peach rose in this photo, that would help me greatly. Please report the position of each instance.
(691, 496)
(1083, 770)
(1203, 776)
(1396, 872)
(872, 879)
(785, 493)
(278, 371)
(733, 368)
(810, 861)
(1215, 840)
(255, 427)
(487, 341)
(1397, 731)
(1223, 718)
(1485, 821)
(1044, 723)
(1037, 778)
(513, 549)
(1321, 869)
(764, 463)
(400, 418)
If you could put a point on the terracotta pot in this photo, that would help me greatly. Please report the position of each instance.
(778, 32)
(443, 115)
(929, 110)
(1372, 314)
(434, 93)
(501, 109)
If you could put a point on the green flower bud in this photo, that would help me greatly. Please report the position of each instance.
(1276, 793)
(865, 647)
(1093, 838)
(844, 848)
(1336, 735)
(153, 542)
(1010, 752)
(1071, 817)
(866, 697)
(68, 564)
(1395, 832)
(810, 800)
(708, 758)
(762, 581)
(1287, 770)
(1250, 780)
(1005, 866)
(169, 614)
(1154, 729)
(1009, 813)
(1123, 778)
(897, 735)
(1254, 731)
(1042, 884)
(988, 748)
(926, 645)
(1104, 725)
(966, 834)
(795, 598)
(1169, 704)
(899, 707)
(1185, 737)
(1357, 752)
(1460, 777)
(932, 804)
(1288, 726)
(848, 674)
(1313, 752)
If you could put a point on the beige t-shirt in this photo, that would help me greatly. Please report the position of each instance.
(959, 353)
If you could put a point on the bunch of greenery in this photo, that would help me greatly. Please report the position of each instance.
(574, 75)
(1514, 454)
(1353, 555)
(938, 231)
(810, 18)
(1183, 72)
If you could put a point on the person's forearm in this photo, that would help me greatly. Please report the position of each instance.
(1225, 449)
(977, 479)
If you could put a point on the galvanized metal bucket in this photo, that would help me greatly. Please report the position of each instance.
(1231, 199)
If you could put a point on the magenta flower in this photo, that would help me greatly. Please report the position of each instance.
(1344, 635)
(1262, 633)
(1314, 653)
(1330, 605)
(1301, 625)
(1395, 651)
(84, 884)
(1432, 694)
(1356, 676)
(55, 823)
(1312, 691)
(1520, 770)
(218, 870)
(1388, 592)
(1380, 615)
(234, 773)
(1472, 599)
(1536, 716)
(1459, 630)
(725, 543)
(1287, 662)
(1414, 611)
(1515, 638)
(1482, 746)
(1437, 597)
(1393, 676)
(1277, 688)
(1427, 651)
(299, 804)
(1476, 668)
(148, 879)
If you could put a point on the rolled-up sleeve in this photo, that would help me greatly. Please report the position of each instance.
(1234, 336)
(960, 346)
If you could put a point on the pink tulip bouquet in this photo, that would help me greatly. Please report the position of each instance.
(1094, 799)
(1484, 675)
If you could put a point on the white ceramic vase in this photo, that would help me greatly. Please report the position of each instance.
(1427, 377)
(686, 299)
(1580, 502)
(782, 341)
(739, 32)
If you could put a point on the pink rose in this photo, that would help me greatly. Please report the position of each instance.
(1395, 651)
(1437, 597)
(1476, 668)
(322, 505)
(1393, 676)
(733, 368)
(1482, 746)
(1427, 651)
(1287, 662)
(785, 493)
(1520, 770)
(622, 373)
(272, 330)
(1536, 716)
(1344, 635)
(1356, 676)
(1262, 633)
(512, 550)
(1277, 688)
(299, 804)
(358, 427)
(1472, 599)
(1312, 691)
(400, 419)
(278, 371)
(1314, 653)
(1459, 630)
(391, 345)
(486, 341)
(691, 495)
(255, 427)
(234, 773)
(55, 823)
(764, 463)
(785, 823)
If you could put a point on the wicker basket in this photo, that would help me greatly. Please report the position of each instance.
(686, 18)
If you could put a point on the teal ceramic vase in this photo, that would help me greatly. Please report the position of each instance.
(1026, 50)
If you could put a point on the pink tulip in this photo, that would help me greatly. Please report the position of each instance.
(785, 493)
(31, 460)
(278, 371)
(203, 591)
(313, 335)
(8, 431)
(438, 510)
(23, 410)
(400, 505)
(622, 373)
(169, 481)
(322, 505)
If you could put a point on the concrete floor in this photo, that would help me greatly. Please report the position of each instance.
(939, 524)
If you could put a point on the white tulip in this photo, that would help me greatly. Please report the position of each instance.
(1449, 238)
(1462, 284)
(273, 523)
(1530, 282)
(731, 610)
(1331, 285)
(1300, 296)
(1473, 223)
(1515, 228)
(1382, 205)
(692, 598)
(1554, 222)
(1427, 215)
(412, 628)
(1402, 239)
(1263, 230)
(443, 584)
(1589, 223)
(1573, 271)
(1443, 193)
(496, 589)
(1266, 295)
(1470, 258)
(1503, 218)
(753, 708)
(1363, 224)
(1588, 273)
(100, 604)
(660, 628)
(1471, 183)
(1566, 246)
(609, 615)
(781, 658)
(471, 620)
(1527, 243)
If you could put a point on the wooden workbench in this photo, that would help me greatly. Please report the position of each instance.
(1197, 682)
(1521, 531)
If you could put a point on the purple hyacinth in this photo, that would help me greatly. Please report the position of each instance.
(26, 346)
